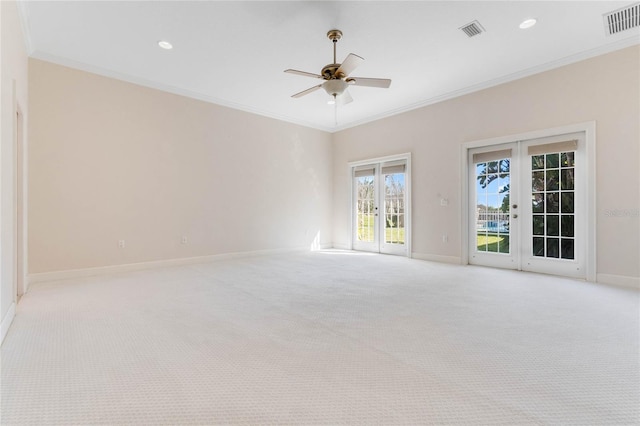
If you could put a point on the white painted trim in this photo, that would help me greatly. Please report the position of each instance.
(454, 260)
(171, 89)
(14, 187)
(589, 129)
(408, 217)
(351, 195)
(128, 267)
(20, 198)
(324, 246)
(592, 243)
(34, 53)
(464, 202)
(403, 156)
(341, 246)
(568, 60)
(534, 134)
(406, 157)
(6, 321)
(26, 25)
(619, 281)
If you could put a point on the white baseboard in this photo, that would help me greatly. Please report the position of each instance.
(619, 281)
(128, 267)
(6, 321)
(341, 246)
(437, 258)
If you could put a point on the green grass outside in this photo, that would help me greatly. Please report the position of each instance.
(365, 232)
(493, 243)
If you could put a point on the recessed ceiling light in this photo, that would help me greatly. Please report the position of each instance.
(528, 23)
(165, 45)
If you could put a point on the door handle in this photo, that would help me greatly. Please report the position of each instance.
(515, 216)
(515, 206)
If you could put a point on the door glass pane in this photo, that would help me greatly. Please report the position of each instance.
(538, 246)
(538, 225)
(537, 200)
(553, 180)
(493, 182)
(394, 213)
(552, 195)
(567, 179)
(567, 225)
(553, 202)
(365, 208)
(553, 248)
(537, 162)
(566, 249)
(568, 159)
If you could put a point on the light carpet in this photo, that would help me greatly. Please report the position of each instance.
(323, 338)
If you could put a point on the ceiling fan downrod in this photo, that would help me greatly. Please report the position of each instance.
(334, 36)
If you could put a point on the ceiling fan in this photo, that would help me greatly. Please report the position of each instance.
(336, 76)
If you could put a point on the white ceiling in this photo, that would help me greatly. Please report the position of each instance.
(234, 53)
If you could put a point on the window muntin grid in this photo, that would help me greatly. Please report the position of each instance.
(493, 186)
(553, 205)
(365, 212)
(394, 208)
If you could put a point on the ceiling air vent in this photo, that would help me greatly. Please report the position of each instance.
(472, 29)
(622, 19)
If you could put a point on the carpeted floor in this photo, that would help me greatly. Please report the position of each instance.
(323, 338)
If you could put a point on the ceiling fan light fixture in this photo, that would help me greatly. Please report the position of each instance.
(334, 87)
(528, 23)
(165, 45)
(332, 100)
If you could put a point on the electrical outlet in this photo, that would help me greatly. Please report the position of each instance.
(445, 238)
(121, 243)
(444, 201)
(184, 239)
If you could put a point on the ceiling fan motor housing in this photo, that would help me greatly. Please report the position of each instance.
(329, 71)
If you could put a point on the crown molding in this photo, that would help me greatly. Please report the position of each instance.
(611, 47)
(23, 15)
(70, 63)
(567, 60)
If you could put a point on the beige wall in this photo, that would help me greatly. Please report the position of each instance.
(113, 161)
(13, 74)
(605, 89)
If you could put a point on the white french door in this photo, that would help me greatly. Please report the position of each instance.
(527, 205)
(380, 216)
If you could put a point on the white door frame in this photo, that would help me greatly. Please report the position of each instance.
(512, 259)
(589, 129)
(19, 201)
(407, 158)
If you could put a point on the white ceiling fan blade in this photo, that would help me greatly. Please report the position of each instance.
(350, 63)
(345, 98)
(306, 92)
(383, 83)
(303, 73)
